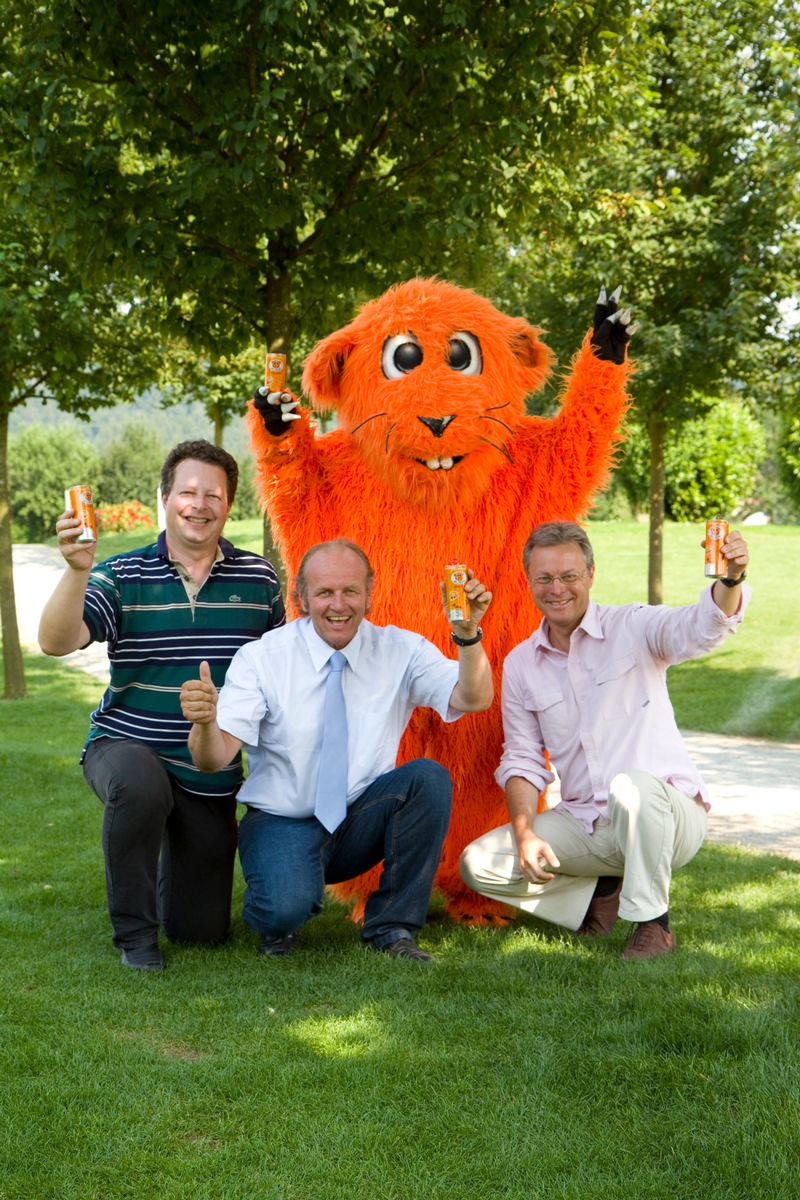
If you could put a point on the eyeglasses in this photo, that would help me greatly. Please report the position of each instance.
(567, 578)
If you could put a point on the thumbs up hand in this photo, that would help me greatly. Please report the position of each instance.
(199, 698)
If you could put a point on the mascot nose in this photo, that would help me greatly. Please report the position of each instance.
(437, 425)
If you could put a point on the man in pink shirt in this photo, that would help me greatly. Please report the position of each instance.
(589, 686)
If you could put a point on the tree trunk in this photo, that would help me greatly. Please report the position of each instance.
(657, 430)
(279, 314)
(13, 668)
(279, 341)
(219, 425)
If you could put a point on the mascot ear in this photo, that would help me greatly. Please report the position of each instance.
(532, 355)
(324, 367)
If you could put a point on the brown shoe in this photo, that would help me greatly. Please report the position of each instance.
(406, 947)
(601, 915)
(649, 940)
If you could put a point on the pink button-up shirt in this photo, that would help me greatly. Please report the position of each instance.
(603, 707)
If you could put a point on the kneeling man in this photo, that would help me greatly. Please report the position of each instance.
(589, 686)
(321, 708)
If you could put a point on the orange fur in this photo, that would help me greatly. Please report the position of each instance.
(367, 480)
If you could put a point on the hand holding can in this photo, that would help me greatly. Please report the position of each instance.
(79, 499)
(716, 565)
(455, 596)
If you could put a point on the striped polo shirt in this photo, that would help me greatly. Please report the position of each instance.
(157, 637)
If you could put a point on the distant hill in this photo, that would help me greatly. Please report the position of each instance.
(173, 425)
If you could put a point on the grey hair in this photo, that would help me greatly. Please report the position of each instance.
(558, 533)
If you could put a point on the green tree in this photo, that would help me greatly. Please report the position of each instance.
(692, 204)
(220, 383)
(789, 459)
(711, 465)
(64, 339)
(41, 465)
(262, 163)
(248, 501)
(130, 466)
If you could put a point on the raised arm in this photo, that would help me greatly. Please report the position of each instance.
(474, 691)
(62, 628)
(728, 597)
(583, 435)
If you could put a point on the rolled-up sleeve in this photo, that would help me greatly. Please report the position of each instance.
(523, 747)
(242, 702)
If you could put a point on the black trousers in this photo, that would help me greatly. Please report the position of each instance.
(169, 855)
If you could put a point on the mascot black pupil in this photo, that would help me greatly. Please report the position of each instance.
(408, 356)
(460, 357)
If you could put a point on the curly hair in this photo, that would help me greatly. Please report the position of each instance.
(205, 452)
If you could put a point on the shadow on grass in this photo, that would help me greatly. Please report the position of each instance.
(713, 695)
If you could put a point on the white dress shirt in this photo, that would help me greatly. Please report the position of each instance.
(604, 707)
(273, 701)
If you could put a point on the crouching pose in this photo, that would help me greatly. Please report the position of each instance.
(589, 686)
(321, 707)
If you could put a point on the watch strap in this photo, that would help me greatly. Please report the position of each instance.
(468, 641)
(730, 583)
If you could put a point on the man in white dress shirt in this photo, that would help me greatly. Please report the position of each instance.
(273, 703)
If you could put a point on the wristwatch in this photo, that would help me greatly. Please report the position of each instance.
(468, 641)
(733, 582)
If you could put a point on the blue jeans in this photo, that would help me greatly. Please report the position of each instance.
(401, 818)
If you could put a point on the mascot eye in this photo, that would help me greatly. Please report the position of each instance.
(401, 354)
(465, 354)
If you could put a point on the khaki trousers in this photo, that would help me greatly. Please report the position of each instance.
(651, 830)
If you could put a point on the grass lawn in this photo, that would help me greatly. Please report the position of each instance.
(522, 1063)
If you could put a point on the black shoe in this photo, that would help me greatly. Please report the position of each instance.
(278, 947)
(143, 958)
(406, 947)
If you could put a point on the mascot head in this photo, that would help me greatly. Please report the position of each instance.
(430, 382)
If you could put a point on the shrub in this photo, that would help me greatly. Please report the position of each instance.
(124, 518)
(41, 464)
(131, 464)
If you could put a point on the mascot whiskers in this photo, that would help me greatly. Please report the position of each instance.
(435, 459)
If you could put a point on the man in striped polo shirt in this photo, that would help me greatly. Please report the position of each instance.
(169, 831)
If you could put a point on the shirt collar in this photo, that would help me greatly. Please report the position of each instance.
(224, 548)
(321, 652)
(591, 626)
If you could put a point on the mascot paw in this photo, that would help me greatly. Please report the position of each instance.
(277, 410)
(612, 328)
(477, 910)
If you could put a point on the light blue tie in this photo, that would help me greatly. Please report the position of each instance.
(330, 805)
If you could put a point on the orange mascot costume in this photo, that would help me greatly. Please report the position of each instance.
(434, 460)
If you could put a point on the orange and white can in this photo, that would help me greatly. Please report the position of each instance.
(456, 599)
(275, 373)
(79, 499)
(716, 564)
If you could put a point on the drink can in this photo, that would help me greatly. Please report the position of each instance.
(275, 373)
(79, 499)
(716, 565)
(455, 580)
